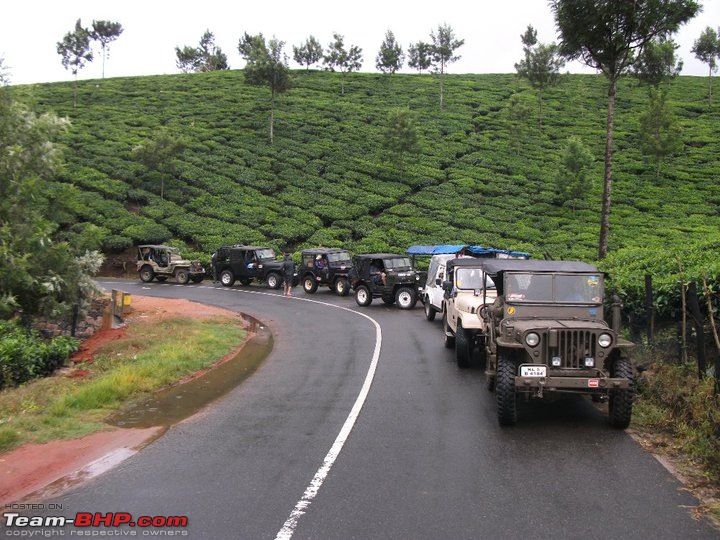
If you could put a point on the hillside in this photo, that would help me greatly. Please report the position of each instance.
(325, 181)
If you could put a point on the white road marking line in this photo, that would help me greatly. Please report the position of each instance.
(288, 528)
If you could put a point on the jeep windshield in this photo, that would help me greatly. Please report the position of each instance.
(339, 258)
(472, 279)
(263, 254)
(400, 263)
(554, 288)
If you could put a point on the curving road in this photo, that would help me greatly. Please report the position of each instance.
(425, 458)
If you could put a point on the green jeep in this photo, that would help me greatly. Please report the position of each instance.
(545, 334)
(385, 275)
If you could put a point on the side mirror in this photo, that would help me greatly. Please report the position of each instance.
(438, 282)
(447, 286)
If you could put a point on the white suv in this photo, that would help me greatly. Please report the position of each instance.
(466, 289)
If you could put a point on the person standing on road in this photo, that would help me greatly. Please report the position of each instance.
(288, 270)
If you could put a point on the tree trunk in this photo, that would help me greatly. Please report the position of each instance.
(650, 309)
(698, 320)
(607, 183)
(272, 114)
(710, 85)
(442, 83)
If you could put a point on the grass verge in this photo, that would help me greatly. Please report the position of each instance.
(148, 357)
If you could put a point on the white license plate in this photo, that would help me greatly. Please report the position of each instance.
(533, 371)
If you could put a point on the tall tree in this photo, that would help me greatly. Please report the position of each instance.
(541, 65)
(609, 36)
(105, 32)
(657, 63)
(390, 58)
(266, 66)
(308, 53)
(205, 57)
(419, 56)
(75, 52)
(660, 135)
(38, 273)
(345, 60)
(572, 178)
(400, 137)
(158, 155)
(707, 49)
(442, 52)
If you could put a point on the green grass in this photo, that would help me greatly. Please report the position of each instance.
(150, 356)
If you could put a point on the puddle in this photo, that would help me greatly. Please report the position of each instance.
(169, 406)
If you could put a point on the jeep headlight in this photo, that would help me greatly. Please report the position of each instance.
(604, 340)
(532, 339)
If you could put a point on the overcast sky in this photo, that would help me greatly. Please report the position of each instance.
(30, 30)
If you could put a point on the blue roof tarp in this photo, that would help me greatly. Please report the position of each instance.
(435, 250)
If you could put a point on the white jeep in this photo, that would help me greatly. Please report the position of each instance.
(466, 289)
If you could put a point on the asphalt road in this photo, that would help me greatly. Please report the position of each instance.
(425, 458)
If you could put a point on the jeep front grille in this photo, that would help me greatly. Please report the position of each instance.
(573, 346)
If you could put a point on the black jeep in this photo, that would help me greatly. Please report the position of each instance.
(385, 275)
(248, 263)
(325, 266)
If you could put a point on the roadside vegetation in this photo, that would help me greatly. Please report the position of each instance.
(150, 356)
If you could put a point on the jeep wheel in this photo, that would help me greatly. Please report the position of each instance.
(406, 298)
(309, 284)
(227, 278)
(146, 274)
(449, 337)
(621, 401)
(505, 390)
(161, 279)
(341, 287)
(363, 296)
(273, 280)
(182, 276)
(429, 311)
(462, 347)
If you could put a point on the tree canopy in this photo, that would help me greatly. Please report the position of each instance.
(205, 57)
(342, 59)
(390, 58)
(308, 53)
(105, 32)
(75, 52)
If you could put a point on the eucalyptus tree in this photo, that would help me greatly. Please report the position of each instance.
(308, 53)
(707, 49)
(345, 60)
(541, 65)
(442, 52)
(419, 56)
(572, 178)
(75, 52)
(609, 36)
(266, 66)
(390, 58)
(105, 32)
(205, 57)
(158, 155)
(400, 137)
(658, 63)
(660, 134)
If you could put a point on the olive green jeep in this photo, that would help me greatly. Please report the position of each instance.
(545, 335)
(162, 262)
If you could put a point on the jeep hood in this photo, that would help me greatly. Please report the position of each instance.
(558, 324)
(468, 302)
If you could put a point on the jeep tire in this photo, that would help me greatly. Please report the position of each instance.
(341, 287)
(146, 274)
(227, 278)
(429, 311)
(273, 280)
(463, 347)
(309, 284)
(621, 401)
(505, 389)
(182, 276)
(363, 297)
(449, 337)
(405, 298)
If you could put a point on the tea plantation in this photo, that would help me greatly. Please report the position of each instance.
(327, 179)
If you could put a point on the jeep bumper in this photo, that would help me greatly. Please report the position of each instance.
(571, 384)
